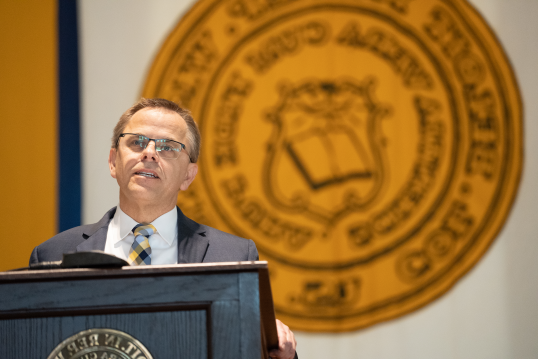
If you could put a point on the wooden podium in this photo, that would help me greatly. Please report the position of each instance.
(214, 310)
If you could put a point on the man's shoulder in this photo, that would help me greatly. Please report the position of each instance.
(221, 246)
(80, 233)
(72, 234)
(64, 242)
(214, 234)
(225, 246)
(68, 240)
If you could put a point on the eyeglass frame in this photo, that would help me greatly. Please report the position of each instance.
(183, 147)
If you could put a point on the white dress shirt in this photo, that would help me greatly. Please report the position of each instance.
(163, 243)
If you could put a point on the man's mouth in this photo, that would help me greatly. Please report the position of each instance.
(146, 174)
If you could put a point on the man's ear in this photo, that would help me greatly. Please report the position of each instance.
(112, 162)
(192, 170)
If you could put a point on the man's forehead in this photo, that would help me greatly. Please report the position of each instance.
(157, 112)
(158, 117)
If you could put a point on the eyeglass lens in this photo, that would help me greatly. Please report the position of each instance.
(166, 149)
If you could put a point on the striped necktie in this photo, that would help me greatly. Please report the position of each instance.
(140, 250)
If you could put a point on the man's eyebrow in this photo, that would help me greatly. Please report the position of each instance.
(165, 138)
(171, 139)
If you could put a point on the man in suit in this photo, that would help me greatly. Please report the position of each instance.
(155, 147)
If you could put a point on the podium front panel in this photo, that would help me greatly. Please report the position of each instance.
(173, 313)
(176, 334)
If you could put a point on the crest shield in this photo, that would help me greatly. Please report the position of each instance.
(325, 157)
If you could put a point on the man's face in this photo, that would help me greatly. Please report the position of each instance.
(144, 177)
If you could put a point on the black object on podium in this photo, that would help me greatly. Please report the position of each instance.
(213, 310)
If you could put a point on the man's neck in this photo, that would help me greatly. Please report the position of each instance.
(144, 213)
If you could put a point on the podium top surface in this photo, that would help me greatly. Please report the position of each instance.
(130, 271)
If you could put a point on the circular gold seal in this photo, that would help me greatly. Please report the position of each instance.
(372, 149)
(100, 343)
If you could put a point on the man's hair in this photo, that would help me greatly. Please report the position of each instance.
(193, 134)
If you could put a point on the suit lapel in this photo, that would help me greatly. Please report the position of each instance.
(95, 235)
(192, 243)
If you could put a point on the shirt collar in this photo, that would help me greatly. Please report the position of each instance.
(166, 225)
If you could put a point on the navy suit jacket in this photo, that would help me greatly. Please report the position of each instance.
(197, 243)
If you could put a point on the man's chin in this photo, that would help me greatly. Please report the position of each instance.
(149, 192)
(142, 191)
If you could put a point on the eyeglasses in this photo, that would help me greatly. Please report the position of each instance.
(168, 149)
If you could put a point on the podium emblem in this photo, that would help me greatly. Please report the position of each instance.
(372, 149)
(100, 343)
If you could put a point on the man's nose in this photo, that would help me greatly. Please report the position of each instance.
(150, 152)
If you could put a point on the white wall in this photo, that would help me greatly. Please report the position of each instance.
(491, 313)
